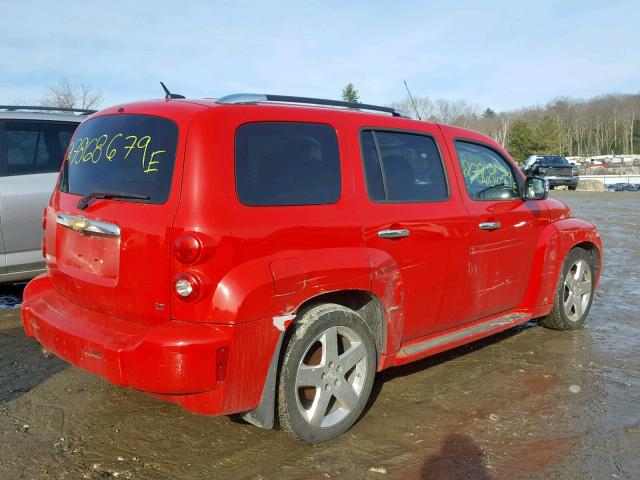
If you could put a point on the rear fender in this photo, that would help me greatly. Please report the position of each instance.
(293, 281)
(277, 286)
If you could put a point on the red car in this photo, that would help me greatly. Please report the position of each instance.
(267, 255)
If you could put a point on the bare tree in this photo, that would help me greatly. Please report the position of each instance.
(604, 125)
(424, 107)
(68, 95)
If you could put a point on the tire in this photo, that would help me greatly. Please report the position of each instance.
(572, 187)
(321, 393)
(576, 280)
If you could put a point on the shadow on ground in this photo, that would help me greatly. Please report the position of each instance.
(23, 366)
(459, 457)
(440, 358)
(11, 296)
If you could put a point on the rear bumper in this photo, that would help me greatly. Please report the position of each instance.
(207, 369)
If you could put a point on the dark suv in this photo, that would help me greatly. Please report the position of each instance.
(554, 168)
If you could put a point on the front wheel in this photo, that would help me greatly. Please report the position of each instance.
(574, 293)
(327, 373)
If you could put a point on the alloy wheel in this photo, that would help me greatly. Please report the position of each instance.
(331, 376)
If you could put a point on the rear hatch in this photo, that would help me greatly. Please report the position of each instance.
(110, 253)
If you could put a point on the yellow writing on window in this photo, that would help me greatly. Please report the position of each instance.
(93, 150)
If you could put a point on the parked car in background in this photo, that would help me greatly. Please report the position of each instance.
(554, 168)
(271, 269)
(33, 141)
(625, 187)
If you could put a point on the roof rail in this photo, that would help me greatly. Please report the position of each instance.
(13, 108)
(252, 98)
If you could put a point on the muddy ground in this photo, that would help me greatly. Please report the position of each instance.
(528, 403)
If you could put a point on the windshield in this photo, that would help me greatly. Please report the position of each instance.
(132, 154)
(555, 160)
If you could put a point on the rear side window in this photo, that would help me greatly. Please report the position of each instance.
(487, 175)
(284, 163)
(126, 154)
(402, 167)
(36, 147)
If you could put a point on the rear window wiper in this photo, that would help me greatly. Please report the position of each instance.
(84, 201)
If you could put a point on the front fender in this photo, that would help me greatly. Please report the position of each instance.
(555, 242)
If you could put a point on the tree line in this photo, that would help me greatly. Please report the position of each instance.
(603, 125)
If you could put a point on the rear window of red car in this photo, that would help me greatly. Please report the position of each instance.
(125, 154)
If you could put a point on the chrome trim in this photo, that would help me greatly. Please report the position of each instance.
(87, 226)
(499, 322)
(401, 233)
(489, 225)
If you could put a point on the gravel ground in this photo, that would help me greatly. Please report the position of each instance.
(527, 403)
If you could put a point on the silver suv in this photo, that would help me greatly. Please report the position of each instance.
(33, 141)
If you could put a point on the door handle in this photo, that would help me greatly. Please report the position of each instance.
(401, 233)
(489, 225)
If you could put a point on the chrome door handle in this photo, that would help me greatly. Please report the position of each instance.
(401, 233)
(489, 225)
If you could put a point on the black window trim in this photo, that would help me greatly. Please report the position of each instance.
(4, 159)
(384, 181)
(517, 174)
(303, 205)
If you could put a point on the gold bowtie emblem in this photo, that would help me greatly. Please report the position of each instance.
(78, 224)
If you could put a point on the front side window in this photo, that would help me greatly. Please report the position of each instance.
(36, 147)
(402, 167)
(124, 154)
(487, 175)
(287, 163)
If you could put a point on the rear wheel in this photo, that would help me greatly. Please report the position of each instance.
(327, 373)
(574, 293)
(572, 187)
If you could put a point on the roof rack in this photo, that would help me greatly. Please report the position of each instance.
(252, 98)
(13, 108)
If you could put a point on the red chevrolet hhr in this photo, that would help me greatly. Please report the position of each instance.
(267, 255)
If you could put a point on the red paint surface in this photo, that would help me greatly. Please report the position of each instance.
(107, 305)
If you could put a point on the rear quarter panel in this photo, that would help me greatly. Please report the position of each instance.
(261, 261)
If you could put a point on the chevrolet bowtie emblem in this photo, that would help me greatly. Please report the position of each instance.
(78, 224)
(88, 226)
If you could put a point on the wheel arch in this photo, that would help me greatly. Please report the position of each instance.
(364, 303)
(554, 244)
(593, 250)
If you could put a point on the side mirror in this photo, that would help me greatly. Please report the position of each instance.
(535, 188)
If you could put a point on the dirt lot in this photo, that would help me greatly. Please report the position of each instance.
(529, 403)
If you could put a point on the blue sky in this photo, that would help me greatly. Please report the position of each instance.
(498, 54)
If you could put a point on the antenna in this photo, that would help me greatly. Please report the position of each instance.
(411, 98)
(168, 95)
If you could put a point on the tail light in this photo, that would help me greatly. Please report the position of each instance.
(187, 286)
(44, 219)
(187, 248)
(43, 246)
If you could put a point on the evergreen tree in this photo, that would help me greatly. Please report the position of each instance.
(488, 113)
(522, 140)
(350, 94)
